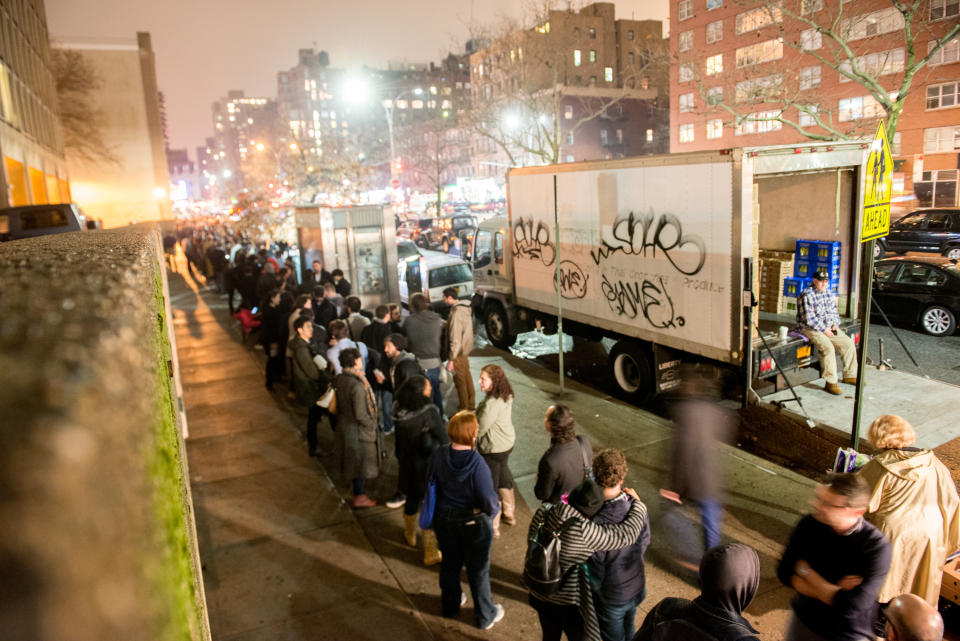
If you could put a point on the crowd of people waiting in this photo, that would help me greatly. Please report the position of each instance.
(866, 563)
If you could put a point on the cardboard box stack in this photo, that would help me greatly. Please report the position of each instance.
(774, 267)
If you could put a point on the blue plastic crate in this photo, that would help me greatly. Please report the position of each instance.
(818, 250)
(831, 268)
(793, 287)
(804, 268)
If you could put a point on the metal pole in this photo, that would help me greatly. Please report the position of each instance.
(556, 281)
(747, 298)
(866, 283)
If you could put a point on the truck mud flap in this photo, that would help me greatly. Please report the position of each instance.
(667, 364)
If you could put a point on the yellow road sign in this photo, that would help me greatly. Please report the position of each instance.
(877, 188)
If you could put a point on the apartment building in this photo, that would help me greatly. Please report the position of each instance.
(569, 69)
(31, 139)
(244, 138)
(751, 73)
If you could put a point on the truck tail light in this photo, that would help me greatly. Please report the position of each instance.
(767, 364)
(856, 339)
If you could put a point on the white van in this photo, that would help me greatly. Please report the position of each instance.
(430, 273)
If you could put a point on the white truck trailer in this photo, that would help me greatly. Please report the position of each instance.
(660, 253)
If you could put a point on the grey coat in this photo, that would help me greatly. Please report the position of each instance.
(357, 434)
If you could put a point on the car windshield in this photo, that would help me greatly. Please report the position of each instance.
(450, 275)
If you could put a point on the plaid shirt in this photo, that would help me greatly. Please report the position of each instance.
(817, 310)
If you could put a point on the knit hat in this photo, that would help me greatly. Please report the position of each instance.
(587, 498)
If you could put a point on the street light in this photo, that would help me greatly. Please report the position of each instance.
(388, 106)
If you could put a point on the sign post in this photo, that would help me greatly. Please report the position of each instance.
(877, 188)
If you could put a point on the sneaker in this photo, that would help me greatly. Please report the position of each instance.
(496, 617)
(363, 500)
(397, 500)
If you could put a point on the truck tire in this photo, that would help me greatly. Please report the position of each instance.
(495, 322)
(630, 370)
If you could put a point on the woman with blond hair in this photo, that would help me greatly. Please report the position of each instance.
(496, 437)
(914, 503)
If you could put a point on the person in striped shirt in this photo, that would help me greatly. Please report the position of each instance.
(819, 321)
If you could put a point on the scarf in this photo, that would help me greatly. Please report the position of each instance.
(371, 399)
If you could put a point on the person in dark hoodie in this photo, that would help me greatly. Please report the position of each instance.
(565, 463)
(420, 431)
(466, 503)
(729, 577)
(617, 576)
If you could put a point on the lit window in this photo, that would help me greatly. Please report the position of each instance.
(715, 64)
(760, 122)
(686, 102)
(940, 139)
(872, 24)
(810, 40)
(714, 129)
(686, 133)
(593, 55)
(940, 9)
(685, 9)
(714, 95)
(756, 18)
(685, 72)
(943, 96)
(715, 32)
(685, 41)
(949, 53)
(569, 158)
(760, 52)
(608, 74)
(876, 64)
(809, 77)
(649, 137)
(807, 116)
(576, 58)
(860, 107)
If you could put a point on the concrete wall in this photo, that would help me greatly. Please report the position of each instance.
(99, 540)
(135, 188)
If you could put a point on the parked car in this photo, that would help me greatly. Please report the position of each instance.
(406, 248)
(921, 291)
(432, 272)
(40, 220)
(924, 230)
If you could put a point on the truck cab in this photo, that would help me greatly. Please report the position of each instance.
(430, 273)
(492, 266)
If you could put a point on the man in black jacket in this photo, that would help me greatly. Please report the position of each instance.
(837, 562)
(374, 336)
(316, 277)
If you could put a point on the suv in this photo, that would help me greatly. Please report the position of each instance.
(431, 273)
(40, 220)
(924, 230)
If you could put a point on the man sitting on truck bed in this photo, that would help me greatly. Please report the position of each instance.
(819, 321)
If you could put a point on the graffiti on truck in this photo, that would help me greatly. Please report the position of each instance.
(571, 279)
(646, 235)
(647, 298)
(531, 240)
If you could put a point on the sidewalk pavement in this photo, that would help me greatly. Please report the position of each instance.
(285, 557)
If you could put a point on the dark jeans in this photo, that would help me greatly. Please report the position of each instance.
(359, 487)
(556, 620)
(385, 400)
(465, 539)
(433, 375)
(711, 517)
(314, 415)
(617, 619)
(499, 470)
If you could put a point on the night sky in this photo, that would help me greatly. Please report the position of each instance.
(206, 47)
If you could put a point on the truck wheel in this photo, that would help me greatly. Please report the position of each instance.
(629, 365)
(938, 321)
(495, 322)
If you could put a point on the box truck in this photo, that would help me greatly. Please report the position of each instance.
(662, 255)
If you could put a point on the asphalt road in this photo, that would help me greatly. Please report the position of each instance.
(937, 357)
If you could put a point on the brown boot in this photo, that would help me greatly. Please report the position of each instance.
(431, 553)
(507, 506)
(851, 380)
(496, 524)
(410, 529)
(833, 388)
